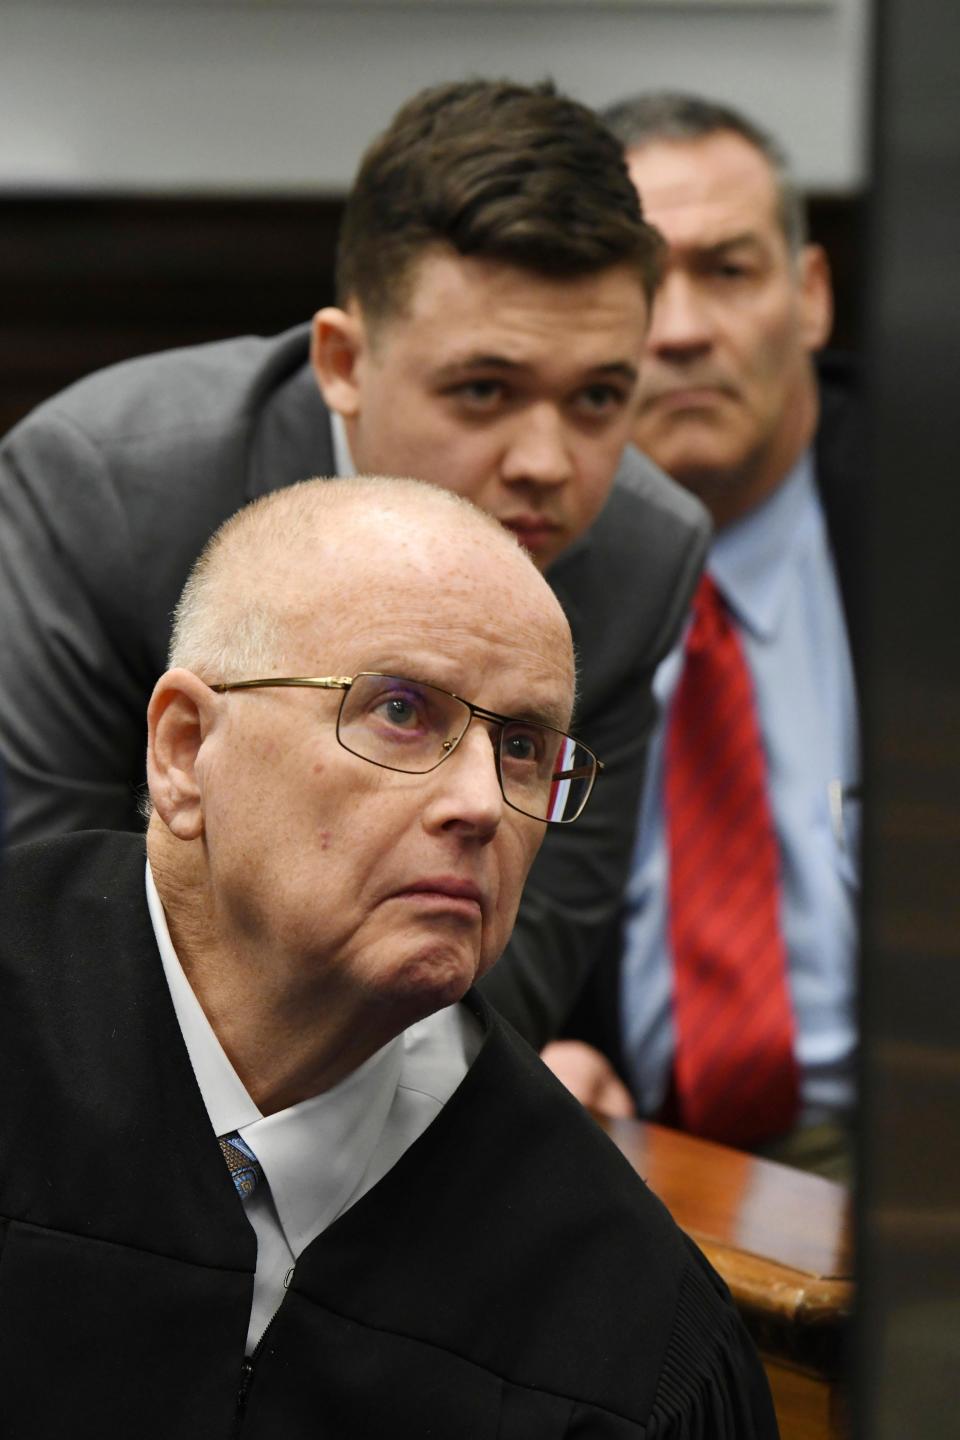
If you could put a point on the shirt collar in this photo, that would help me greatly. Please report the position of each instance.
(342, 459)
(751, 559)
(224, 1094)
(313, 1154)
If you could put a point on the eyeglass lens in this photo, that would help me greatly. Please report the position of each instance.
(408, 726)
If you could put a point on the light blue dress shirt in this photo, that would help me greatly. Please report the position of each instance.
(775, 570)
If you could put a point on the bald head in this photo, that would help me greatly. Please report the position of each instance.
(360, 891)
(300, 554)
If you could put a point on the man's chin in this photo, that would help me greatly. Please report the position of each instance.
(704, 459)
(428, 981)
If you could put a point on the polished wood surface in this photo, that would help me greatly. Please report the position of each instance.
(781, 1239)
(750, 1206)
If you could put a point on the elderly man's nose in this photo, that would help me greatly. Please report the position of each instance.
(466, 794)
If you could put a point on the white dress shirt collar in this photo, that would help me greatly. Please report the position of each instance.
(342, 459)
(314, 1154)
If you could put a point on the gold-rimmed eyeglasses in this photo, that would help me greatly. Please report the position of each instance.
(407, 725)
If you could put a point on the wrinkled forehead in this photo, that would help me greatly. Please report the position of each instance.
(703, 192)
(467, 612)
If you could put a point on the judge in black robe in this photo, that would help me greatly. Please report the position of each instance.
(510, 1276)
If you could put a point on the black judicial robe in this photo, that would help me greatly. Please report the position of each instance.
(510, 1279)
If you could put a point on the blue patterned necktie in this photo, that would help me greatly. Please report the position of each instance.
(245, 1169)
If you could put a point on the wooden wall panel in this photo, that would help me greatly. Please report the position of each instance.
(88, 280)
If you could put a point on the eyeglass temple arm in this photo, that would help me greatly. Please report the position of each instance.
(325, 682)
(579, 772)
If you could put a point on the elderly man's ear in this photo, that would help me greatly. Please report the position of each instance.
(178, 719)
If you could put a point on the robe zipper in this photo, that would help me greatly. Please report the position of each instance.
(246, 1368)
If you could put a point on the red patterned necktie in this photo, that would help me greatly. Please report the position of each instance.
(735, 1074)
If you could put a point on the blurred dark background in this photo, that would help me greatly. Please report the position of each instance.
(908, 1220)
(88, 280)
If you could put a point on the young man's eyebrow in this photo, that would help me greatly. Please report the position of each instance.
(455, 369)
(620, 369)
(478, 361)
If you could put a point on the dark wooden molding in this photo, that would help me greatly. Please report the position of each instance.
(91, 279)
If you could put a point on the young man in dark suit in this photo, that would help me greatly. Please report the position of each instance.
(494, 281)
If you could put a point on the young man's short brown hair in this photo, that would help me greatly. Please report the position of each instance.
(505, 172)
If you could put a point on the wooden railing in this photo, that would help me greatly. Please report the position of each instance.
(781, 1239)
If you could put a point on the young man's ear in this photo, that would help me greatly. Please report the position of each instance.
(336, 347)
(816, 292)
(178, 719)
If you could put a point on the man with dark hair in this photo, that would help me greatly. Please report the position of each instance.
(407, 1228)
(498, 171)
(730, 1009)
(494, 274)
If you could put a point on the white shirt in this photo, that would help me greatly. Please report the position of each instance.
(320, 1156)
(342, 459)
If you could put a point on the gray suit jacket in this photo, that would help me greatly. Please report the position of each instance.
(108, 493)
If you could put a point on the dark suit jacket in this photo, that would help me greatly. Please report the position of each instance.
(510, 1277)
(841, 479)
(107, 495)
(839, 463)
